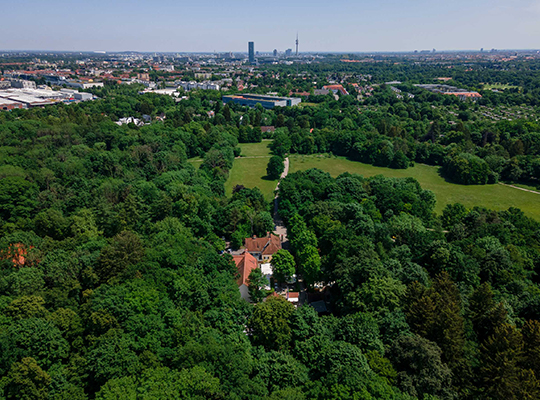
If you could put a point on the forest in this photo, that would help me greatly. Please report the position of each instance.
(114, 283)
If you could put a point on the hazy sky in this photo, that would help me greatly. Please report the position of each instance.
(323, 25)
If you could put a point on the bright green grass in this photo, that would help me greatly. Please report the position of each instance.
(250, 172)
(496, 197)
(500, 86)
(255, 149)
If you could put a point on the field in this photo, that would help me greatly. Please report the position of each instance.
(499, 86)
(496, 197)
(251, 170)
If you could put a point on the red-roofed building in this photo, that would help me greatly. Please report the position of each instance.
(269, 128)
(263, 248)
(293, 297)
(465, 95)
(245, 264)
(336, 88)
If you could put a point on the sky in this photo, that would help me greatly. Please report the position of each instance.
(222, 26)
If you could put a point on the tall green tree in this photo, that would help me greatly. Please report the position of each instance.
(502, 373)
(282, 265)
(27, 381)
(256, 283)
(269, 324)
(275, 167)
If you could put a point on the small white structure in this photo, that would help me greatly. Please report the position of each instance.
(266, 270)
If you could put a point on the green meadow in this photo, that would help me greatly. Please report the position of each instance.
(251, 172)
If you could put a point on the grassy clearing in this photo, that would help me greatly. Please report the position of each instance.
(499, 86)
(496, 197)
(255, 149)
(250, 172)
(306, 104)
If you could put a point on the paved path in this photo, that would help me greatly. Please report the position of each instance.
(517, 187)
(280, 229)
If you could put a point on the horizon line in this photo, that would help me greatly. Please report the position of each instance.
(270, 51)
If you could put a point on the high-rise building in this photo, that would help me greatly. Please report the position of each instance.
(275, 52)
(251, 52)
(297, 44)
(288, 52)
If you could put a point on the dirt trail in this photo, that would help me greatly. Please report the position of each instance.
(517, 187)
(280, 229)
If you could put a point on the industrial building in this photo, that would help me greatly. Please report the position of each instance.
(251, 100)
(28, 98)
(462, 94)
(6, 104)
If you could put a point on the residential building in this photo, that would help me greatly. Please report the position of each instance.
(187, 86)
(245, 263)
(293, 297)
(130, 120)
(336, 88)
(23, 84)
(263, 248)
(269, 128)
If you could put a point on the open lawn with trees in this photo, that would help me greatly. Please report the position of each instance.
(251, 172)
(250, 169)
(496, 197)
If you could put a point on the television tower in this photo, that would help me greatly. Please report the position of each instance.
(296, 44)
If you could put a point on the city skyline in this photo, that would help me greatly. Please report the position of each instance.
(343, 26)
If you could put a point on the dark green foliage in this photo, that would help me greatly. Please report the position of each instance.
(275, 167)
(27, 381)
(467, 169)
(256, 285)
(269, 324)
(126, 249)
(503, 373)
(420, 369)
(114, 283)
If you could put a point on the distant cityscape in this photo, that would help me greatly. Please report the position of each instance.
(36, 79)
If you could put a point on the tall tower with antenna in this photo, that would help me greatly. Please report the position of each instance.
(296, 44)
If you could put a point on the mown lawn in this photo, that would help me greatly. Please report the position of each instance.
(496, 197)
(255, 149)
(251, 172)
